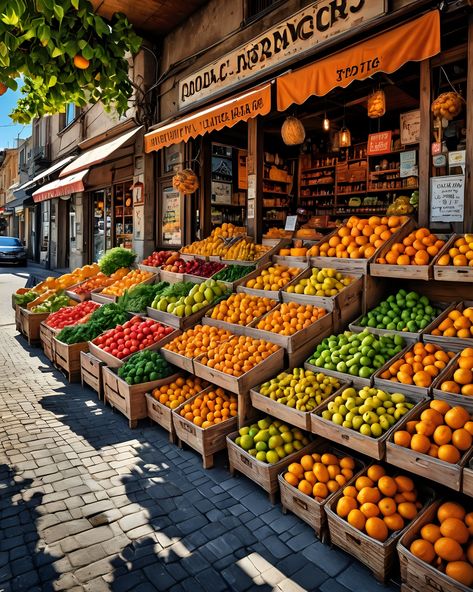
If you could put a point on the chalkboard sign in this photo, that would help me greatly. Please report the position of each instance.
(447, 198)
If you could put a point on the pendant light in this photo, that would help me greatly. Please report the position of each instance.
(344, 135)
(326, 123)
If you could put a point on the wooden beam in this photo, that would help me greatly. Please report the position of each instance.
(468, 216)
(205, 191)
(425, 142)
(255, 177)
(450, 55)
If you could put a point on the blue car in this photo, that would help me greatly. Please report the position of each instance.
(12, 250)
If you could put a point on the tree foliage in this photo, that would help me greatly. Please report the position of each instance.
(43, 41)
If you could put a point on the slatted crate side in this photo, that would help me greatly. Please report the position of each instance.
(451, 273)
(91, 370)
(232, 327)
(467, 477)
(452, 343)
(161, 414)
(67, 357)
(417, 574)
(357, 381)
(46, 335)
(453, 398)
(30, 323)
(274, 294)
(180, 323)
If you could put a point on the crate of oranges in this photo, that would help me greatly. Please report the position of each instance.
(434, 442)
(269, 279)
(240, 363)
(455, 384)
(112, 292)
(353, 245)
(415, 368)
(367, 518)
(205, 420)
(453, 328)
(436, 553)
(455, 261)
(410, 256)
(312, 480)
(467, 481)
(163, 399)
(238, 311)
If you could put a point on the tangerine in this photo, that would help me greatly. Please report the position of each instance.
(394, 522)
(376, 528)
(450, 510)
(449, 453)
(448, 549)
(345, 505)
(455, 529)
(357, 519)
(461, 571)
(423, 550)
(430, 532)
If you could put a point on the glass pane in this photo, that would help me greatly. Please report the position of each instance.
(72, 226)
(99, 224)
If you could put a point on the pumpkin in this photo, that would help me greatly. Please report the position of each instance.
(292, 132)
(285, 252)
(447, 105)
(185, 181)
(298, 252)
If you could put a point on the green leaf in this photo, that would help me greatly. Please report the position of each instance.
(75, 4)
(52, 81)
(59, 12)
(56, 52)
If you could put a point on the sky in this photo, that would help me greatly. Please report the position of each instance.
(8, 130)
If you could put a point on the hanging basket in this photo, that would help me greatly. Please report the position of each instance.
(292, 132)
(447, 105)
(377, 104)
(185, 181)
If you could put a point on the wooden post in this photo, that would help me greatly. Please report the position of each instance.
(425, 142)
(205, 192)
(468, 214)
(255, 178)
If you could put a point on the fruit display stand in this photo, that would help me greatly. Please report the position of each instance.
(178, 360)
(357, 381)
(17, 310)
(98, 296)
(354, 440)
(263, 474)
(67, 358)
(310, 509)
(234, 328)
(273, 294)
(450, 343)
(129, 399)
(451, 273)
(447, 474)
(30, 323)
(379, 557)
(412, 272)
(206, 441)
(46, 336)
(180, 323)
(417, 575)
(78, 297)
(162, 415)
(452, 398)
(91, 372)
(150, 268)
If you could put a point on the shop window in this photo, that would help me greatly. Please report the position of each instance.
(70, 115)
(258, 8)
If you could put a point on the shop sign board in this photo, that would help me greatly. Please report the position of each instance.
(301, 33)
(447, 198)
(379, 143)
(410, 127)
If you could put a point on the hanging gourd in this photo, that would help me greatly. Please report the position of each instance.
(185, 181)
(292, 131)
(377, 104)
(447, 105)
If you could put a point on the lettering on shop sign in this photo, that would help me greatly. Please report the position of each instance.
(355, 70)
(301, 33)
(379, 143)
(447, 198)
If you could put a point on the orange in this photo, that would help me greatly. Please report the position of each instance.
(321, 472)
(449, 386)
(457, 416)
(80, 62)
(368, 494)
(430, 532)
(307, 462)
(411, 427)
(387, 506)
(450, 510)
(402, 438)
(420, 443)
(432, 416)
(463, 376)
(423, 550)
(394, 522)
(442, 435)
(422, 378)
(332, 486)
(426, 428)
(387, 486)
(344, 506)
(296, 469)
(310, 477)
(407, 510)
(461, 571)
(449, 453)
(369, 509)
(375, 472)
(347, 463)
(291, 479)
(363, 481)
(404, 483)
(448, 549)
(320, 490)
(469, 427)
(305, 487)
(356, 519)
(376, 528)
(462, 439)
(467, 390)
(455, 528)
(350, 491)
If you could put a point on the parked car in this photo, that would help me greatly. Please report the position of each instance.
(12, 250)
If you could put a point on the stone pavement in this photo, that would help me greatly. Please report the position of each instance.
(88, 504)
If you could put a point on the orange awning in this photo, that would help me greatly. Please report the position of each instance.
(414, 41)
(227, 114)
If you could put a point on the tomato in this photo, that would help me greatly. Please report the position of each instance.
(106, 349)
(114, 352)
(140, 336)
(141, 346)
(133, 349)
(127, 329)
(126, 352)
(146, 330)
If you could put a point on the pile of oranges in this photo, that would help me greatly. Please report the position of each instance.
(418, 248)
(197, 341)
(448, 543)
(210, 408)
(359, 238)
(461, 254)
(419, 366)
(174, 394)
(273, 278)
(131, 279)
(319, 475)
(456, 324)
(462, 379)
(442, 431)
(238, 355)
(242, 309)
(290, 317)
(378, 503)
(100, 281)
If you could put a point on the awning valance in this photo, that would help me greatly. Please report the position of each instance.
(416, 40)
(99, 154)
(226, 114)
(72, 184)
(43, 174)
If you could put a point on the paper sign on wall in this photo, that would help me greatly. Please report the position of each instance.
(291, 222)
(447, 198)
(409, 164)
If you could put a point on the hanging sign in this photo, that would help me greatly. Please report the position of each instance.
(379, 143)
(410, 127)
(447, 198)
(297, 35)
(408, 164)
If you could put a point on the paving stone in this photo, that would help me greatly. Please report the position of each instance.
(94, 535)
(133, 521)
(210, 580)
(357, 577)
(236, 578)
(195, 562)
(331, 560)
(302, 540)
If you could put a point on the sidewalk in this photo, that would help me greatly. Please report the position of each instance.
(87, 504)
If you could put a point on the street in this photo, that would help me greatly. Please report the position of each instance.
(11, 278)
(88, 504)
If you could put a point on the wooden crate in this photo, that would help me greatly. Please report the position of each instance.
(161, 415)
(298, 357)
(78, 297)
(17, 317)
(242, 384)
(357, 381)
(150, 268)
(206, 441)
(91, 370)
(181, 323)
(46, 335)
(467, 480)
(232, 327)
(274, 294)
(450, 273)
(416, 574)
(379, 557)
(30, 323)
(422, 464)
(263, 474)
(309, 509)
(300, 419)
(67, 358)
(178, 360)
(98, 296)
(372, 447)
(290, 261)
(129, 399)
(291, 343)
(450, 343)
(452, 398)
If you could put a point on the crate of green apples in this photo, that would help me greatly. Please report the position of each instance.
(363, 419)
(406, 313)
(354, 357)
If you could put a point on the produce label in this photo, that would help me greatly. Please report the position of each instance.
(447, 198)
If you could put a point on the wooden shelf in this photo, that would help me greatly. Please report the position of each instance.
(270, 207)
(414, 187)
(340, 194)
(312, 196)
(385, 172)
(276, 181)
(327, 166)
(275, 192)
(215, 205)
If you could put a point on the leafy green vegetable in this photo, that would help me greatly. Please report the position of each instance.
(53, 303)
(138, 298)
(24, 299)
(116, 258)
(145, 366)
(232, 273)
(178, 289)
(104, 318)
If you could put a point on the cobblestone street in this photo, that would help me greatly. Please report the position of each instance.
(88, 504)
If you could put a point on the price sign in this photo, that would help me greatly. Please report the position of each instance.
(291, 222)
(447, 198)
(379, 143)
